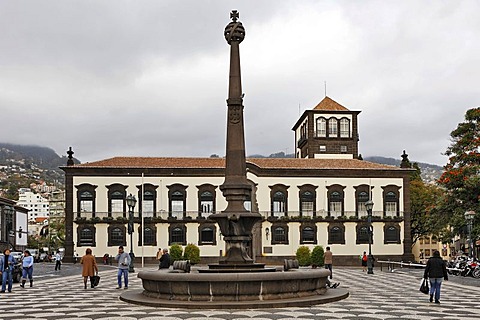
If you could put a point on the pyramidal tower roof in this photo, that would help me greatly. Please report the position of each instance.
(328, 104)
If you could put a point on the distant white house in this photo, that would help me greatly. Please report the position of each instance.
(37, 205)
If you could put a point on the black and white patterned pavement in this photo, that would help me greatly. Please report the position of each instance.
(383, 295)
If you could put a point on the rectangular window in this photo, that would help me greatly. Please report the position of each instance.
(307, 208)
(335, 208)
(278, 208)
(323, 148)
(362, 209)
(427, 252)
(86, 206)
(177, 209)
(206, 208)
(117, 205)
(147, 209)
(390, 209)
(343, 149)
(344, 128)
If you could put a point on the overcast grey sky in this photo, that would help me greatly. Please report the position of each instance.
(150, 78)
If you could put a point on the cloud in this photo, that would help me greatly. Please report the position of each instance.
(150, 78)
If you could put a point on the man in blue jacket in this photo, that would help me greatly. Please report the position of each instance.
(7, 262)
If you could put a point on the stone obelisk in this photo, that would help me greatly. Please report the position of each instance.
(235, 222)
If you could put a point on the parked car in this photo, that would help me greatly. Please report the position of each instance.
(35, 254)
(17, 255)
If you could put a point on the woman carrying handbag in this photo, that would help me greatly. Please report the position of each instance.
(436, 270)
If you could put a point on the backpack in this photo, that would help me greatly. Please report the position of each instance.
(364, 258)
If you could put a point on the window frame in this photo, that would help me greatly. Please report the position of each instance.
(276, 226)
(274, 193)
(332, 237)
(153, 241)
(321, 127)
(302, 228)
(201, 228)
(114, 190)
(149, 191)
(113, 242)
(86, 187)
(171, 228)
(202, 189)
(92, 229)
(173, 191)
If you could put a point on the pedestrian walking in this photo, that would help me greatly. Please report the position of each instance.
(436, 270)
(328, 262)
(159, 255)
(165, 260)
(7, 262)
(124, 260)
(364, 258)
(58, 261)
(27, 268)
(89, 268)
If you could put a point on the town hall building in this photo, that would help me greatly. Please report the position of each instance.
(316, 198)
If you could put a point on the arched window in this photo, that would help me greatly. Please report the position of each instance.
(332, 127)
(148, 205)
(362, 198)
(279, 233)
(150, 234)
(177, 234)
(308, 235)
(207, 234)
(336, 235)
(279, 204)
(344, 128)
(177, 196)
(307, 204)
(116, 236)
(390, 204)
(116, 200)
(86, 200)
(362, 234)
(335, 204)
(321, 128)
(391, 234)
(86, 236)
(391, 201)
(206, 203)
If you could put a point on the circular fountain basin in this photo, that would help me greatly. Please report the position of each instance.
(299, 287)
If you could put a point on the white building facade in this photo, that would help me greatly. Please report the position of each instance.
(317, 198)
(37, 205)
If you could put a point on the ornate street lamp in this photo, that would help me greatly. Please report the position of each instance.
(469, 215)
(369, 207)
(131, 201)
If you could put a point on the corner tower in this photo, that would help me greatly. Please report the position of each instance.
(328, 131)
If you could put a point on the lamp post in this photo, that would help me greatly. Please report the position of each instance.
(369, 207)
(131, 201)
(469, 215)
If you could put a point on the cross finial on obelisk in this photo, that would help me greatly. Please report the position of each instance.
(234, 15)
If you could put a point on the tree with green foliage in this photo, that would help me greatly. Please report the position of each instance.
(303, 256)
(461, 178)
(317, 256)
(192, 253)
(176, 253)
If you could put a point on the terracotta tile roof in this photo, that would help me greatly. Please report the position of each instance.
(210, 163)
(328, 104)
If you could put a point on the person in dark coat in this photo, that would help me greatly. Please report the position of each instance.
(436, 270)
(165, 260)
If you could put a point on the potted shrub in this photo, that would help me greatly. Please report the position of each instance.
(303, 256)
(317, 256)
(176, 253)
(192, 253)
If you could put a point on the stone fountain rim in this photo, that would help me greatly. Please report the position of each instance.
(161, 275)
